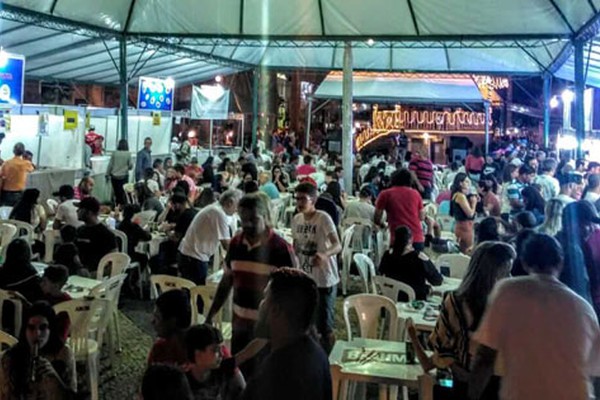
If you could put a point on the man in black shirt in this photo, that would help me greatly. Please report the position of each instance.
(94, 239)
(297, 368)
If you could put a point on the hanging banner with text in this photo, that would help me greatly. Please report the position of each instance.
(210, 102)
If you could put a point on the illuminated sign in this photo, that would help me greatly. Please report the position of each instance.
(12, 78)
(155, 94)
(385, 122)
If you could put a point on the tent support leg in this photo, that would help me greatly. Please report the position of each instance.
(255, 77)
(308, 123)
(547, 95)
(124, 87)
(579, 89)
(347, 137)
(486, 106)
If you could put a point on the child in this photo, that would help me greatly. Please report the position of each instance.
(67, 253)
(208, 375)
(54, 279)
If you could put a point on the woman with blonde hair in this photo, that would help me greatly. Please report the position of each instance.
(553, 218)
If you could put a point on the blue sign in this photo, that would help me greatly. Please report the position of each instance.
(155, 94)
(12, 78)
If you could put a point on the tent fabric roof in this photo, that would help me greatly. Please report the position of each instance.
(591, 64)
(192, 40)
(408, 88)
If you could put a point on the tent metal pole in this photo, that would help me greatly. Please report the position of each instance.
(124, 86)
(210, 137)
(579, 94)
(547, 95)
(255, 77)
(347, 138)
(486, 105)
(308, 122)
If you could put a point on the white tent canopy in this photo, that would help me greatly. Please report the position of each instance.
(407, 88)
(192, 40)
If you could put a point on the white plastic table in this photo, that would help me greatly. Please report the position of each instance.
(376, 361)
(78, 286)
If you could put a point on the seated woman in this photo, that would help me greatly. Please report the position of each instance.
(40, 365)
(172, 316)
(461, 314)
(18, 274)
(135, 234)
(279, 179)
(28, 210)
(405, 264)
(147, 198)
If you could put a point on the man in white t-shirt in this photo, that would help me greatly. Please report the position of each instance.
(316, 244)
(201, 241)
(66, 212)
(546, 180)
(546, 335)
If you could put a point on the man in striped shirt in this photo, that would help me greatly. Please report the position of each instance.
(423, 169)
(253, 254)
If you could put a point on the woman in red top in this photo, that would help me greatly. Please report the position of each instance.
(474, 164)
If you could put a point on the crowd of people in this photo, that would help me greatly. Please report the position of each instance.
(519, 211)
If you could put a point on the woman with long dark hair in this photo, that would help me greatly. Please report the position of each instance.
(40, 365)
(148, 199)
(490, 202)
(30, 211)
(118, 171)
(461, 314)
(405, 264)
(463, 209)
(534, 203)
(17, 273)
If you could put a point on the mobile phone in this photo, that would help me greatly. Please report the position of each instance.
(446, 383)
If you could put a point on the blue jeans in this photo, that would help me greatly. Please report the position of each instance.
(192, 269)
(326, 310)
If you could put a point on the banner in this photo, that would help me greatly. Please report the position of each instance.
(12, 78)
(210, 102)
(155, 94)
(71, 119)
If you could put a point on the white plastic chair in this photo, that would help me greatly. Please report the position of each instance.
(10, 300)
(457, 263)
(7, 340)
(89, 319)
(5, 212)
(52, 206)
(346, 256)
(121, 239)
(119, 262)
(207, 294)
(446, 222)
(51, 238)
(145, 217)
(164, 283)
(390, 288)
(368, 309)
(366, 270)
(7, 234)
(110, 289)
(24, 230)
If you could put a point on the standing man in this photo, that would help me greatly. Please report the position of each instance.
(514, 191)
(547, 335)
(316, 244)
(253, 254)
(143, 160)
(94, 239)
(201, 241)
(546, 180)
(14, 176)
(423, 169)
(403, 206)
(297, 368)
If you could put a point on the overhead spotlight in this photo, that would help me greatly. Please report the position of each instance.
(554, 102)
(370, 42)
(567, 95)
(218, 78)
